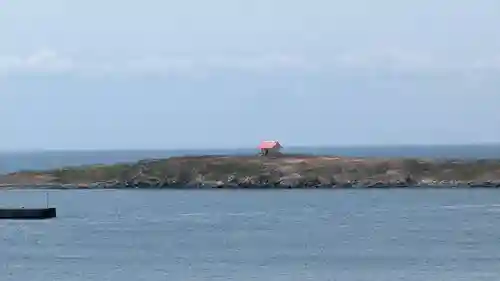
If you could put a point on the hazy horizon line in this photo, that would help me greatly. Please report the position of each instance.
(42, 150)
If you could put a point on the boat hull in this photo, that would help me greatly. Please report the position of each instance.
(27, 214)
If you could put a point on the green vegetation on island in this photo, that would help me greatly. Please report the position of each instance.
(279, 171)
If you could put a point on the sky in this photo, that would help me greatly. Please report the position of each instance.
(161, 74)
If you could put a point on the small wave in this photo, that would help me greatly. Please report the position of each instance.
(193, 214)
(246, 214)
(470, 206)
(72, 257)
(235, 214)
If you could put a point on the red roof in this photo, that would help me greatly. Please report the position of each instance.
(269, 145)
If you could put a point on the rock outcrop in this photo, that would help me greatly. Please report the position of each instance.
(286, 171)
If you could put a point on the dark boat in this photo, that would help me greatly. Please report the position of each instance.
(27, 214)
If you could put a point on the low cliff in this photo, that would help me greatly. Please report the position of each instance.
(287, 171)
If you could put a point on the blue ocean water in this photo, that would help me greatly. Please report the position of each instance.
(13, 161)
(351, 235)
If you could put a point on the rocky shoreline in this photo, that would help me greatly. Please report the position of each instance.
(258, 172)
(215, 186)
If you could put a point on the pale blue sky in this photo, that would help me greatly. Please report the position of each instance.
(228, 73)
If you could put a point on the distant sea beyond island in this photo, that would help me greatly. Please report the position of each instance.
(52, 159)
(298, 167)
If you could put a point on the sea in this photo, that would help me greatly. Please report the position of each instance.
(352, 235)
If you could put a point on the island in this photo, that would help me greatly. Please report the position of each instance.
(267, 172)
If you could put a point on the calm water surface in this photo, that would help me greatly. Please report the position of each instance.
(255, 235)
